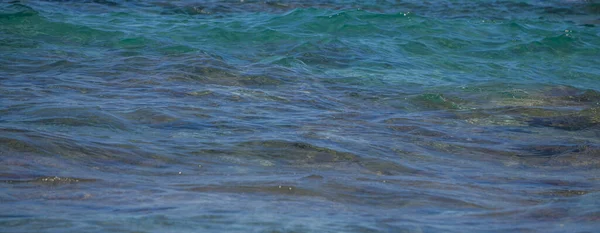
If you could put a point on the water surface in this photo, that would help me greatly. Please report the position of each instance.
(299, 116)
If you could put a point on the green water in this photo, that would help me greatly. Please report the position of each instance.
(299, 116)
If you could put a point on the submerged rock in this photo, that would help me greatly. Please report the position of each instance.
(584, 119)
(561, 155)
(295, 152)
(436, 102)
(570, 123)
(52, 180)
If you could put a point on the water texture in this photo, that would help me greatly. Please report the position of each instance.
(299, 116)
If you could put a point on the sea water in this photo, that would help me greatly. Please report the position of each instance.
(300, 116)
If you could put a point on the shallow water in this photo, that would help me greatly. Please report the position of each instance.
(299, 116)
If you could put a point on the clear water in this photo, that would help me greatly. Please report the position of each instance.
(300, 116)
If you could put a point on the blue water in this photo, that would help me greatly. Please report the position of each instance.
(299, 116)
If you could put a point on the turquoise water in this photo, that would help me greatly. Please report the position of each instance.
(300, 116)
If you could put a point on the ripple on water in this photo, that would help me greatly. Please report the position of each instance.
(299, 116)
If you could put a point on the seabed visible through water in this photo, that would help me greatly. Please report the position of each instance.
(299, 116)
